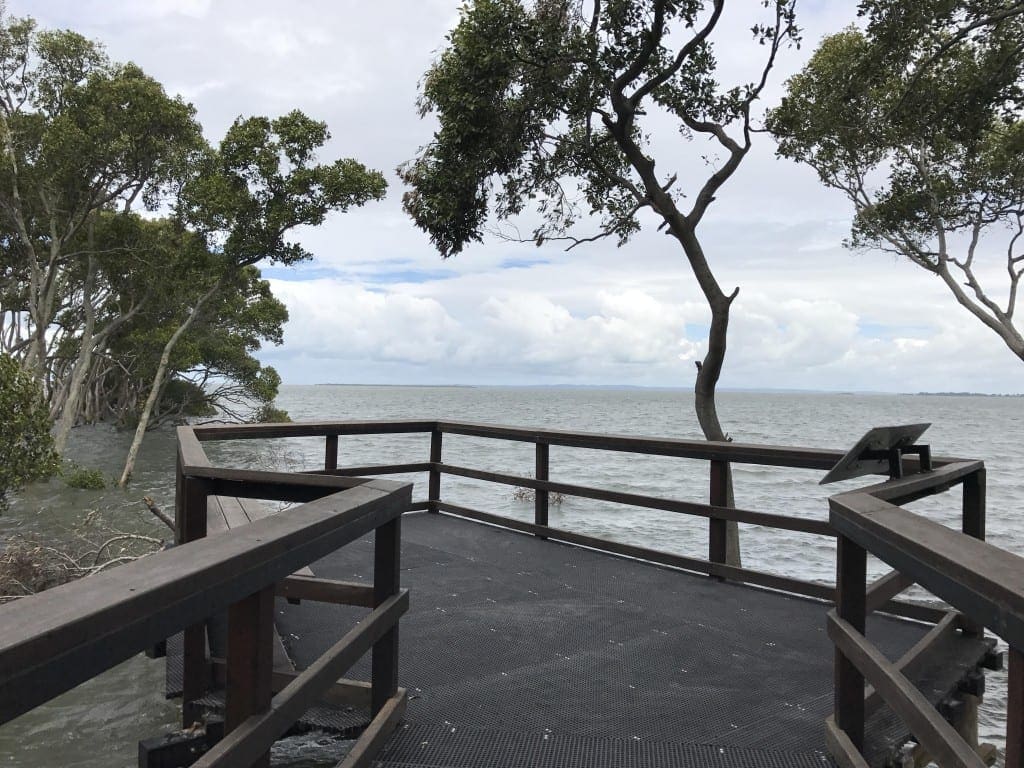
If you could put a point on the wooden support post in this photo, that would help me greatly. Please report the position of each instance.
(540, 498)
(331, 453)
(1015, 709)
(250, 661)
(719, 497)
(973, 524)
(190, 510)
(974, 504)
(851, 577)
(434, 478)
(386, 581)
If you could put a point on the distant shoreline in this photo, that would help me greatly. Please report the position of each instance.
(631, 387)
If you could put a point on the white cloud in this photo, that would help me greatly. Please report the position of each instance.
(809, 313)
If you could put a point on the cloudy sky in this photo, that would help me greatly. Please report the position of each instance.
(378, 305)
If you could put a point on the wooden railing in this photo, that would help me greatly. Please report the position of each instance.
(719, 456)
(55, 640)
(984, 583)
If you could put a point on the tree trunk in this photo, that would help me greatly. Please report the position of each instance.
(709, 370)
(157, 385)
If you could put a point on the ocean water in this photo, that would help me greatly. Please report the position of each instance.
(99, 723)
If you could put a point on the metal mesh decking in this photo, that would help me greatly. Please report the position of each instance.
(523, 652)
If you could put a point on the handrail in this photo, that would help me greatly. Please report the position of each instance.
(709, 450)
(983, 582)
(55, 640)
(719, 455)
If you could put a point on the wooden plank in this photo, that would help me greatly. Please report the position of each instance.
(63, 636)
(938, 737)
(370, 470)
(434, 481)
(372, 740)
(215, 520)
(841, 748)
(974, 504)
(310, 429)
(916, 657)
(195, 678)
(885, 589)
(809, 458)
(253, 737)
(719, 497)
(768, 520)
(387, 572)
(756, 578)
(920, 485)
(540, 496)
(249, 662)
(851, 566)
(264, 478)
(302, 587)
(190, 451)
(982, 581)
(235, 513)
(343, 693)
(331, 453)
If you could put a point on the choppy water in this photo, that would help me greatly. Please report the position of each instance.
(111, 713)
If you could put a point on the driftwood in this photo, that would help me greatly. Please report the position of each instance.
(151, 505)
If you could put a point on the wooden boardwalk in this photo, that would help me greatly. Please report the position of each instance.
(520, 652)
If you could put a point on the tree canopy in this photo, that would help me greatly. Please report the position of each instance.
(557, 107)
(138, 319)
(917, 119)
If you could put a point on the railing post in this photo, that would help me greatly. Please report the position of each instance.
(331, 453)
(434, 478)
(973, 524)
(851, 588)
(719, 497)
(1015, 708)
(190, 513)
(974, 504)
(540, 497)
(386, 568)
(250, 661)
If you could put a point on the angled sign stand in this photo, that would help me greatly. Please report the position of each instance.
(880, 451)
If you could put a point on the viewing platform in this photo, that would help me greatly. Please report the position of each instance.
(522, 644)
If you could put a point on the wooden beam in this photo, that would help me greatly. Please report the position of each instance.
(885, 589)
(982, 581)
(372, 740)
(255, 735)
(820, 527)
(63, 636)
(321, 590)
(841, 748)
(434, 480)
(931, 730)
(851, 566)
(343, 693)
(250, 662)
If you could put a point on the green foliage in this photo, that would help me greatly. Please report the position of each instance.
(263, 181)
(268, 413)
(186, 398)
(945, 133)
(25, 441)
(83, 478)
(535, 99)
(919, 120)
